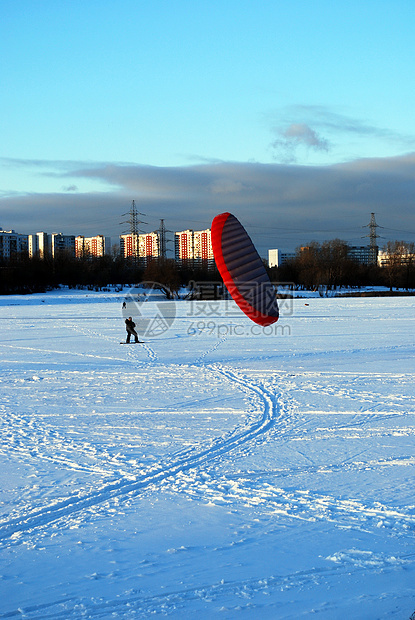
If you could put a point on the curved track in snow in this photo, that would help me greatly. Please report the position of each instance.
(126, 486)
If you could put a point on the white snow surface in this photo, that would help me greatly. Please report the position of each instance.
(216, 471)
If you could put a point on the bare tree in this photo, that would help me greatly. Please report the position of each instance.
(399, 262)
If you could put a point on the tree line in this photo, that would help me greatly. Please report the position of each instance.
(23, 275)
(331, 265)
(317, 265)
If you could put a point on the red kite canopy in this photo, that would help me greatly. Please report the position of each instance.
(242, 270)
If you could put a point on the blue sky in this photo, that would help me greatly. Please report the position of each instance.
(299, 112)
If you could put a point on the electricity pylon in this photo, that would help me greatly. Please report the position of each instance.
(162, 232)
(134, 231)
(373, 236)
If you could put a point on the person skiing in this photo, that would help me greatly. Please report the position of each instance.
(130, 327)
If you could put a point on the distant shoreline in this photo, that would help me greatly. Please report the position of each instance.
(377, 294)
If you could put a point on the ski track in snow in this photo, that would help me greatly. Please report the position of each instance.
(192, 473)
(14, 529)
(29, 438)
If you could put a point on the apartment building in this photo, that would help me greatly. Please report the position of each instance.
(62, 245)
(12, 244)
(193, 246)
(92, 247)
(142, 246)
(39, 245)
(364, 254)
(149, 246)
(183, 245)
(276, 258)
(202, 246)
(129, 246)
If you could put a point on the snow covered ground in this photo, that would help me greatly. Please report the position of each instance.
(215, 471)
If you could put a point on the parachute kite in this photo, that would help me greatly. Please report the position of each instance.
(242, 270)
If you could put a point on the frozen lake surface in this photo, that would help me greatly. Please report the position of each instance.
(216, 471)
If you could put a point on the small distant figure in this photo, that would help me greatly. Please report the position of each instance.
(130, 327)
(124, 305)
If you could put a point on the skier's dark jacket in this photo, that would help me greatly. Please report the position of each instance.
(129, 325)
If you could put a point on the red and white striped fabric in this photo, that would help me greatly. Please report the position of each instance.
(242, 270)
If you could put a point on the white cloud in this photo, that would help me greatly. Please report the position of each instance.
(294, 136)
(319, 128)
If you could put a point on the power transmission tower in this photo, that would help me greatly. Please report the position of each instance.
(134, 223)
(133, 220)
(373, 236)
(162, 231)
